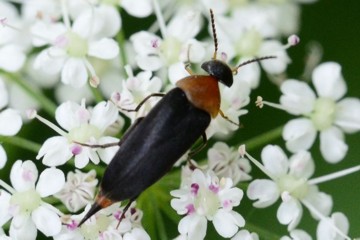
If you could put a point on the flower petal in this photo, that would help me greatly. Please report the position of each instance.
(265, 191)
(74, 73)
(49, 64)
(302, 165)
(227, 223)
(299, 134)
(322, 202)
(107, 154)
(12, 58)
(328, 80)
(51, 181)
(4, 207)
(298, 98)
(3, 157)
(326, 231)
(70, 115)
(4, 95)
(46, 221)
(105, 48)
(289, 213)
(149, 63)
(23, 175)
(103, 115)
(193, 226)
(275, 160)
(332, 145)
(277, 65)
(10, 122)
(55, 151)
(138, 8)
(348, 115)
(22, 227)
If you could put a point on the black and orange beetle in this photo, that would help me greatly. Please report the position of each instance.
(154, 143)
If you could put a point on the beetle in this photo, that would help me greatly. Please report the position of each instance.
(154, 143)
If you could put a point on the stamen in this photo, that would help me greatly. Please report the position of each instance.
(322, 217)
(293, 40)
(94, 79)
(260, 103)
(160, 19)
(48, 123)
(7, 187)
(335, 175)
(243, 152)
(129, 71)
(65, 14)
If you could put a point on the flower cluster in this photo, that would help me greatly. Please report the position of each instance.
(72, 72)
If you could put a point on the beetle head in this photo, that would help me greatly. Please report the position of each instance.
(220, 70)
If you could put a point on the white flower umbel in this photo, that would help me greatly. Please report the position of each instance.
(79, 190)
(326, 113)
(72, 45)
(290, 180)
(203, 199)
(227, 162)
(22, 203)
(82, 126)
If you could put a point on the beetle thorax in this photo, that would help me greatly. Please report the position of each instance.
(203, 92)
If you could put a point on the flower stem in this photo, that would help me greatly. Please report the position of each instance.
(44, 101)
(263, 139)
(21, 142)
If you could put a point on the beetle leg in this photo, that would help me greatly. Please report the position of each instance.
(143, 101)
(187, 63)
(113, 144)
(197, 150)
(227, 119)
(126, 208)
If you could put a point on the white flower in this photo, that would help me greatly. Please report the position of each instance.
(226, 162)
(289, 179)
(152, 52)
(24, 204)
(83, 126)
(326, 113)
(79, 190)
(137, 88)
(206, 199)
(326, 230)
(89, 36)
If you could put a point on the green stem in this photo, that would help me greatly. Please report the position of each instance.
(97, 94)
(120, 38)
(21, 142)
(44, 101)
(263, 139)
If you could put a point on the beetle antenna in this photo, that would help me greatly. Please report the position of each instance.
(214, 33)
(234, 70)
